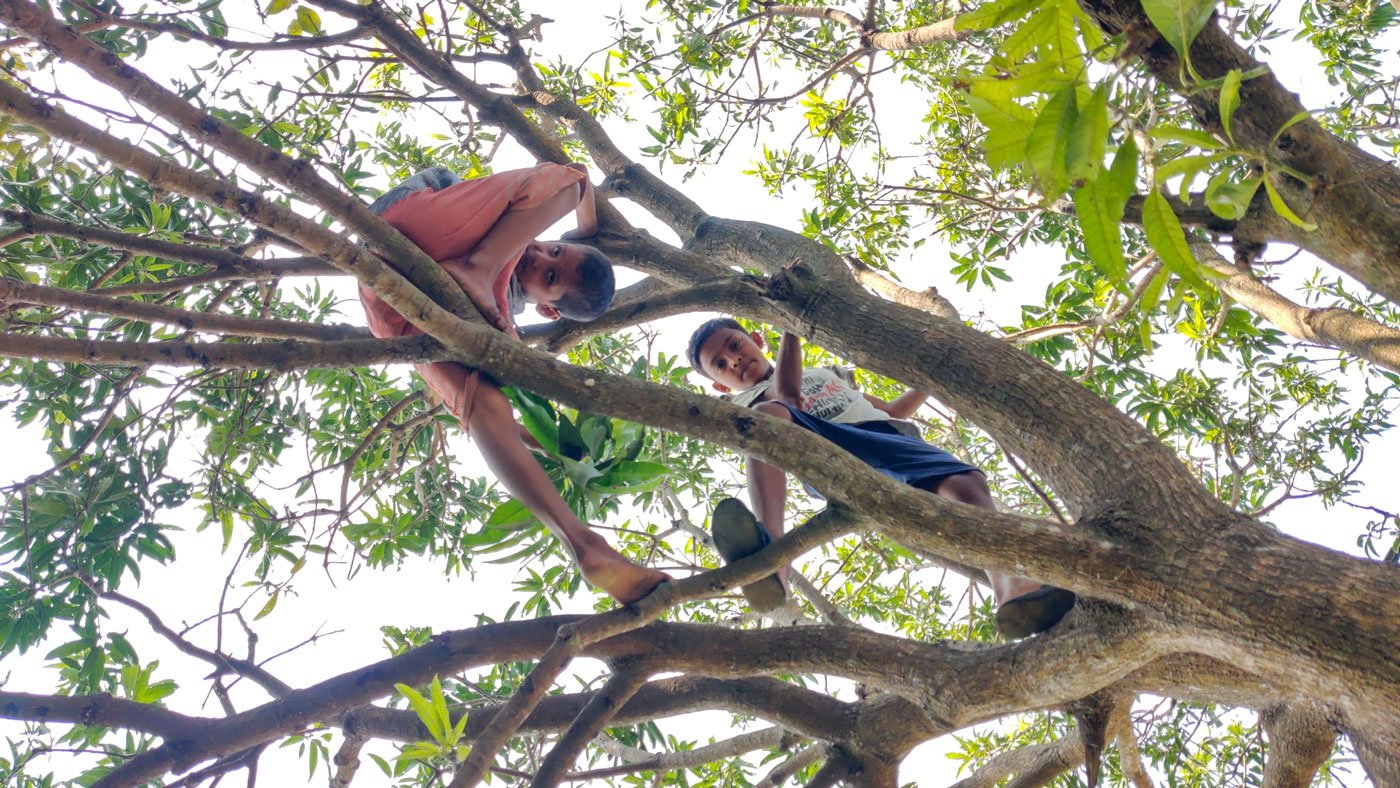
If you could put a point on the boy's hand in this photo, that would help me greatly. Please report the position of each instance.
(586, 214)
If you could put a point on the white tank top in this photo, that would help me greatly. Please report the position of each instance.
(825, 395)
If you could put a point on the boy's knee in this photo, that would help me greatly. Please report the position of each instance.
(490, 406)
(775, 409)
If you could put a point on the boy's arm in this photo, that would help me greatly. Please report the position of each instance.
(787, 379)
(904, 406)
(514, 230)
(586, 214)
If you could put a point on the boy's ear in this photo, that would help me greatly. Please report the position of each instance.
(547, 311)
(757, 339)
(720, 387)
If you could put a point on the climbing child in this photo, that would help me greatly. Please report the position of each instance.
(482, 231)
(820, 401)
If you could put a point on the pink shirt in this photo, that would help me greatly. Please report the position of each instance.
(448, 224)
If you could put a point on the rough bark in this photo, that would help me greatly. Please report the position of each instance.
(1354, 198)
(1300, 739)
(1328, 326)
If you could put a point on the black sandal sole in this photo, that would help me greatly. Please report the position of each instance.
(1035, 612)
(738, 534)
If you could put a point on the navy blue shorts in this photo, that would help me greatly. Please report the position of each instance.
(882, 447)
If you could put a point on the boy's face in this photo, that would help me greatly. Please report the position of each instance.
(734, 360)
(546, 271)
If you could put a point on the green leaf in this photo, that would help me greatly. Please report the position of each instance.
(570, 442)
(1188, 167)
(1008, 127)
(423, 709)
(1103, 233)
(1290, 123)
(1179, 20)
(443, 715)
(630, 476)
(509, 516)
(538, 417)
(1084, 156)
(989, 15)
(1152, 294)
(1193, 137)
(1281, 207)
(1167, 238)
(580, 473)
(1229, 101)
(1004, 83)
(278, 6)
(267, 608)
(1230, 200)
(1122, 174)
(309, 20)
(1046, 146)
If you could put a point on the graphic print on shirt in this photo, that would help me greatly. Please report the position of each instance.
(825, 395)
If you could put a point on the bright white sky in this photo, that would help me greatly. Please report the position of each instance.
(419, 594)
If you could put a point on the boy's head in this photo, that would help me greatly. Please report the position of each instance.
(566, 280)
(724, 352)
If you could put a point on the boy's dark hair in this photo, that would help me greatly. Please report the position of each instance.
(595, 289)
(702, 334)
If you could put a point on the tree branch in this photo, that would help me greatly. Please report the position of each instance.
(222, 663)
(15, 291)
(1353, 197)
(1300, 739)
(1330, 326)
(590, 722)
(103, 710)
(295, 175)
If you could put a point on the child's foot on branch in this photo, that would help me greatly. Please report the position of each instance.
(738, 534)
(605, 568)
(1033, 612)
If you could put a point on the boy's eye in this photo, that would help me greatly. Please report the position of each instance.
(556, 251)
(549, 277)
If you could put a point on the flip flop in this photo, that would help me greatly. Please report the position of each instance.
(738, 534)
(1035, 612)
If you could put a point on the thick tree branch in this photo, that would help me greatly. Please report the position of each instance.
(1059, 756)
(103, 710)
(1354, 197)
(929, 300)
(1330, 326)
(734, 295)
(1300, 739)
(600, 710)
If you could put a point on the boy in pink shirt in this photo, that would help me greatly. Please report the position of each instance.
(482, 233)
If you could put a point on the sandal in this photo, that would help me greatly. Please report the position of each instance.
(738, 534)
(1035, 612)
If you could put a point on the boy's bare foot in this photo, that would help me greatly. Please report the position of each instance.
(485, 302)
(606, 568)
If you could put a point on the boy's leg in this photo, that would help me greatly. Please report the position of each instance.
(1037, 606)
(492, 423)
(738, 534)
(768, 483)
